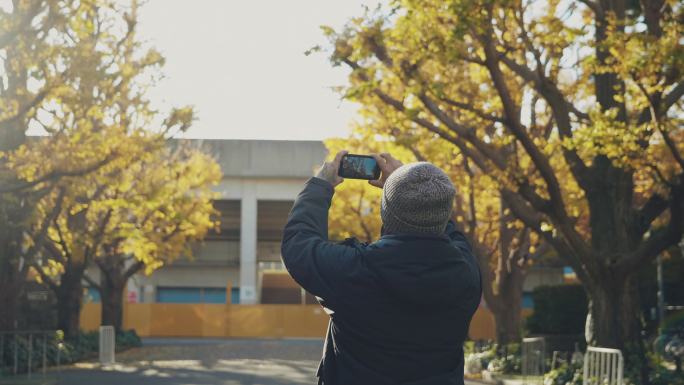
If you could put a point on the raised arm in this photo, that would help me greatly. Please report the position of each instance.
(310, 258)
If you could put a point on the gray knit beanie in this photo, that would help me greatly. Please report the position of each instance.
(417, 198)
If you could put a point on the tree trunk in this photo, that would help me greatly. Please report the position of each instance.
(613, 314)
(614, 321)
(112, 302)
(69, 298)
(11, 283)
(12, 274)
(502, 286)
(508, 311)
(115, 271)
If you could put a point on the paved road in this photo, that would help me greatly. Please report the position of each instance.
(204, 362)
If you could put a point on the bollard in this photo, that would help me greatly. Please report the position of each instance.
(107, 345)
(533, 358)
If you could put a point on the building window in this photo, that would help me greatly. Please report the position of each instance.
(191, 295)
(235, 295)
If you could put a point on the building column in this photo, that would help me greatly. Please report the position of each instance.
(248, 245)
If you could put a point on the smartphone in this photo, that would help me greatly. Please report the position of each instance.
(359, 167)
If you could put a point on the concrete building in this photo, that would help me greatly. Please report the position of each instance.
(241, 263)
(261, 179)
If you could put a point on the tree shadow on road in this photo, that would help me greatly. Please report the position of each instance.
(191, 372)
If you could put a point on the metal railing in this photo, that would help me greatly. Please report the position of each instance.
(22, 345)
(603, 366)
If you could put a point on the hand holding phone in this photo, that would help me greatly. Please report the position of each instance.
(355, 166)
(387, 164)
(329, 169)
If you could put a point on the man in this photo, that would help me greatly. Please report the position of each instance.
(399, 307)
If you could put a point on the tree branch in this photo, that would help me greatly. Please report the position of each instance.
(561, 109)
(54, 252)
(41, 235)
(672, 97)
(54, 175)
(61, 240)
(132, 269)
(24, 22)
(470, 108)
(92, 282)
(467, 133)
(673, 148)
(594, 6)
(654, 206)
(37, 99)
(512, 113)
(661, 238)
(533, 221)
(44, 277)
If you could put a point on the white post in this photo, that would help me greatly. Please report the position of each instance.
(248, 245)
(533, 359)
(107, 345)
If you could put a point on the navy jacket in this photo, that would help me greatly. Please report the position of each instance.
(399, 307)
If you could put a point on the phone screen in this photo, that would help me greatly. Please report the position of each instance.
(359, 167)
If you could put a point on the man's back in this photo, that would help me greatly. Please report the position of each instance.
(400, 307)
(402, 315)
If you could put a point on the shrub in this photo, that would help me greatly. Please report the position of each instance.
(565, 374)
(558, 310)
(127, 339)
(58, 350)
(494, 358)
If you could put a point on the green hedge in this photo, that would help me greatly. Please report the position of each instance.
(558, 310)
(84, 345)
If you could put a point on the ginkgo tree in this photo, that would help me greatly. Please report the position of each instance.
(34, 45)
(572, 108)
(157, 211)
(101, 117)
(146, 216)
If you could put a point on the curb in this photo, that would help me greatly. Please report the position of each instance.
(484, 382)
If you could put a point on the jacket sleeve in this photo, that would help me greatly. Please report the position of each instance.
(313, 261)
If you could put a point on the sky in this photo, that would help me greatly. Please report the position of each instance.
(242, 65)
